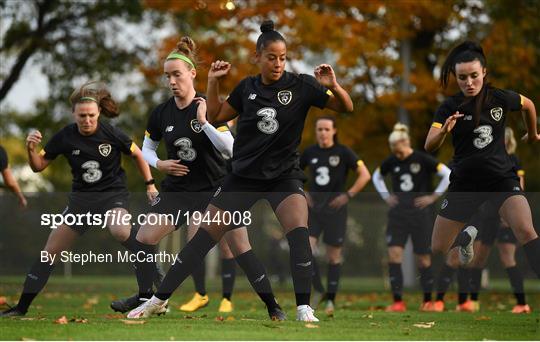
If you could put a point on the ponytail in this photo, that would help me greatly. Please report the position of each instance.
(95, 91)
(186, 50)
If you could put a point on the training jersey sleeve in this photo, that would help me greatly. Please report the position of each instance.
(3, 159)
(352, 159)
(153, 127)
(513, 100)
(54, 147)
(431, 164)
(442, 113)
(304, 159)
(126, 143)
(385, 167)
(235, 98)
(316, 94)
(517, 165)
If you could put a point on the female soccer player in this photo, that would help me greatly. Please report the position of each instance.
(329, 163)
(195, 166)
(10, 181)
(411, 173)
(93, 149)
(271, 109)
(491, 228)
(481, 168)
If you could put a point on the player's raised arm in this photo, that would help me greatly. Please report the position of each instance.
(218, 111)
(339, 100)
(36, 159)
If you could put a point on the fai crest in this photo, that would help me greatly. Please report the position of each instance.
(415, 167)
(333, 161)
(284, 97)
(105, 149)
(196, 126)
(496, 113)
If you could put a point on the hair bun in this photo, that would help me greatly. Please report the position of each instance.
(186, 45)
(399, 127)
(267, 26)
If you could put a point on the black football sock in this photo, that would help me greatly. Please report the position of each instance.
(35, 282)
(396, 280)
(186, 261)
(301, 264)
(228, 276)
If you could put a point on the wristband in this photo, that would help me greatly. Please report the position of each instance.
(150, 182)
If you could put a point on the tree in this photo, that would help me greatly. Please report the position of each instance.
(67, 39)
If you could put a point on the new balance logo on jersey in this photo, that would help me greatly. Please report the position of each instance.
(105, 149)
(396, 169)
(169, 128)
(252, 96)
(467, 118)
(284, 97)
(314, 161)
(517, 188)
(496, 113)
(75, 152)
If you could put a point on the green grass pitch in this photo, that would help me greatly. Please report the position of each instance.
(359, 315)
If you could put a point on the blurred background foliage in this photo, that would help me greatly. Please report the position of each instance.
(116, 41)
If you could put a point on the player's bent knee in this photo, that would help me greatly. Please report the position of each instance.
(423, 260)
(148, 239)
(120, 233)
(525, 234)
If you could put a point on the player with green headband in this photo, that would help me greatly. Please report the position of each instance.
(195, 167)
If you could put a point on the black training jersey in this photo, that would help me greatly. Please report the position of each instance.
(411, 177)
(185, 140)
(479, 152)
(3, 159)
(328, 168)
(95, 159)
(270, 124)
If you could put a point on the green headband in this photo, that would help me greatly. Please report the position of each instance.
(175, 55)
(88, 98)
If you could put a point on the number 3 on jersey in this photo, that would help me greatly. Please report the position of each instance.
(185, 151)
(484, 136)
(268, 123)
(323, 176)
(406, 182)
(93, 173)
